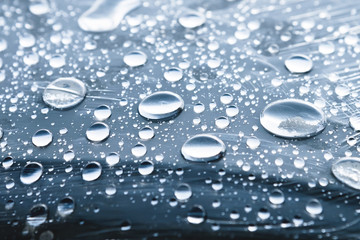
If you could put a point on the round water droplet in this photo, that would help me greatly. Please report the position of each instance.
(110, 190)
(232, 111)
(222, 122)
(196, 215)
(27, 40)
(347, 171)
(146, 167)
(355, 122)
(98, 132)
(102, 112)
(66, 206)
(146, 133)
(326, 48)
(31, 58)
(203, 148)
(191, 19)
(112, 158)
(31, 173)
(161, 106)
(57, 61)
(292, 118)
(69, 155)
(64, 93)
(42, 138)
(183, 192)
(7, 162)
(139, 150)
(253, 142)
(314, 207)
(135, 59)
(276, 197)
(92, 171)
(299, 64)
(39, 7)
(38, 215)
(263, 214)
(299, 163)
(173, 74)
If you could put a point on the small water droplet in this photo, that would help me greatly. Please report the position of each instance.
(183, 192)
(7, 162)
(276, 197)
(222, 122)
(161, 106)
(31, 173)
(66, 206)
(102, 112)
(39, 7)
(57, 61)
(299, 64)
(135, 59)
(98, 132)
(203, 148)
(253, 143)
(112, 158)
(292, 118)
(146, 167)
(191, 19)
(314, 207)
(42, 138)
(196, 215)
(69, 155)
(91, 171)
(173, 74)
(146, 133)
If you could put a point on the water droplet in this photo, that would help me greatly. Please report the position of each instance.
(299, 163)
(276, 197)
(64, 93)
(106, 15)
(263, 214)
(27, 40)
(191, 19)
(173, 74)
(196, 215)
(299, 64)
(31, 58)
(326, 48)
(66, 206)
(42, 138)
(102, 112)
(227, 98)
(38, 215)
(355, 122)
(292, 118)
(314, 207)
(39, 7)
(342, 90)
(183, 192)
(110, 190)
(57, 61)
(139, 150)
(98, 132)
(91, 171)
(135, 59)
(161, 106)
(146, 167)
(203, 148)
(232, 111)
(347, 171)
(3, 44)
(112, 158)
(222, 122)
(253, 143)
(31, 173)
(146, 133)
(7, 162)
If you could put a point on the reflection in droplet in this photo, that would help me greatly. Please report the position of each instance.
(347, 171)
(146, 168)
(64, 93)
(98, 132)
(276, 197)
(102, 112)
(146, 133)
(314, 207)
(135, 59)
(191, 19)
(161, 106)
(31, 173)
(42, 138)
(173, 74)
(196, 215)
(7, 162)
(38, 215)
(106, 15)
(91, 171)
(203, 148)
(299, 64)
(292, 118)
(66, 206)
(183, 192)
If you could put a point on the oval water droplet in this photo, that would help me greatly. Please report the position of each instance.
(191, 19)
(98, 132)
(292, 118)
(183, 192)
(57, 61)
(347, 171)
(314, 207)
(196, 215)
(7, 162)
(146, 167)
(146, 133)
(276, 197)
(203, 148)
(102, 112)
(222, 122)
(135, 59)
(91, 171)
(139, 150)
(31, 173)
(173, 74)
(299, 64)
(42, 138)
(38, 215)
(112, 158)
(161, 106)
(66, 206)
(39, 7)
(64, 93)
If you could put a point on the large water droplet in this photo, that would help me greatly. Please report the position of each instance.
(102, 112)
(203, 148)
(292, 118)
(183, 192)
(146, 167)
(299, 64)
(38, 215)
(91, 171)
(347, 171)
(64, 93)
(98, 132)
(106, 15)
(161, 106)
(191, 19)
(135, 59)
(66, 206)
(314, 207)
(31, 173)
(196, 215)
(42, 138)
